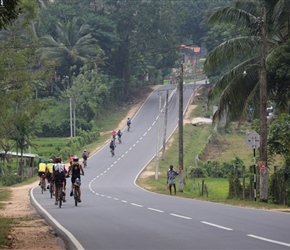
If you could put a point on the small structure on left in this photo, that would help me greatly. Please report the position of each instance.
(27, 158)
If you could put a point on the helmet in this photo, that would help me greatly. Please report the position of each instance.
(76, 158)
(42, 160)
(85, 150)
(57, 160)
(50, 160)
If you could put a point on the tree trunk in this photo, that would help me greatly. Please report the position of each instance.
(263, 114)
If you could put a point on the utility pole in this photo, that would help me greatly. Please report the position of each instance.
(158, 139)
(180, 129)
(74, 115)
(263, 112)
(165, 125)
(70, 115)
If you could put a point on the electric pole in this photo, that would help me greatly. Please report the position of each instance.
(180, 129)
(158, 139)
(263, 112)
(165, 124)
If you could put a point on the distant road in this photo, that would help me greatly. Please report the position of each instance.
(117, 214)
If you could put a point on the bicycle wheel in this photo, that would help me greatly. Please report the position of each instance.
(76, 195)
(60, 196)
(42, 185)
(51, 189)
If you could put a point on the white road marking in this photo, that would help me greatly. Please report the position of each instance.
(145, 134)
(136, 205)
(124, 201)
(180, 216)
(116, 199)
(156, 210)
(268, 240)
(215, 225)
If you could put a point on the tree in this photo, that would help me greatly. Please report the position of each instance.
(9, 11)
(236, 89)
(73, 48)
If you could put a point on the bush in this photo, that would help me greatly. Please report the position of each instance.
(197, 173)
(10, 180)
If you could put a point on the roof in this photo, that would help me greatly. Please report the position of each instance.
(27, 155)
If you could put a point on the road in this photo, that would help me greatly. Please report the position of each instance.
(117, 214)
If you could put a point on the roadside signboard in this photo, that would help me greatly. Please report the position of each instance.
(253, 140)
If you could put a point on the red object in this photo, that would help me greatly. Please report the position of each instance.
(262, 167)
(180, 169)
(167, 186)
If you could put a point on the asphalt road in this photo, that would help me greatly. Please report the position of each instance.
(117, 214)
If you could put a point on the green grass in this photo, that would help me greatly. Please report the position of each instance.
(5, 228)
(194, 142)
(5, 223)
(5, 194)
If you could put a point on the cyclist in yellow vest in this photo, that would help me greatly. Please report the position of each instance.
(41, 171)
(49, 170)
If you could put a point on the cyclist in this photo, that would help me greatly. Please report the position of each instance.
(129, 123)
(85, 157)
(112, 146)
(76, 169)
(114, 133)
(119, 133)
(71, 159)
(58, 175)
(49, 170)
(41, 171)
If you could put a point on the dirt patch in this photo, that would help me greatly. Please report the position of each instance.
(30, 231)
(214, 149)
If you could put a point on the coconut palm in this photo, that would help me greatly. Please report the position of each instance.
(245, 57)
(239, 86)
(73, 48)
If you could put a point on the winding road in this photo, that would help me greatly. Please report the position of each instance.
(117, 214)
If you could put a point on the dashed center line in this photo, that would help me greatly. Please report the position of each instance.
(156, 210)
(215, 225)
(181, 216)
(268, 240)
(136, 205)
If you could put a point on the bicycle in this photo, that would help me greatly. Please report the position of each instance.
(42, 183)
(60, 198)
(51, 188)
(76, 187)
(119, 139)
(84, 163)
(112, 151)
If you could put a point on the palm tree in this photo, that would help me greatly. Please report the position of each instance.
(247, 54)
(73, 48)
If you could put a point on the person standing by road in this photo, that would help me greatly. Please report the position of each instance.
(171, 174)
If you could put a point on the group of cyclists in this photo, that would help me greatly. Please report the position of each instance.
(112, 144)
(55, 172)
